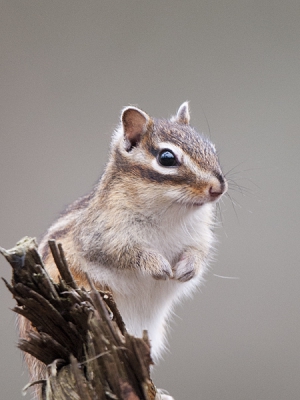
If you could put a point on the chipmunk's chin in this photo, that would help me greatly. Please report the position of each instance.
(199, 203)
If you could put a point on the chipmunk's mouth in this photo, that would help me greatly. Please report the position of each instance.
(192, 204)
(200, 203)
(197, 203)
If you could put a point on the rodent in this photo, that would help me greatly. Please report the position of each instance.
(145, 231)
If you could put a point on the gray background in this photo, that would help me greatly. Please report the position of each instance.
(67, 69)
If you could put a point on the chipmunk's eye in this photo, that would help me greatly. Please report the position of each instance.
(166, 158)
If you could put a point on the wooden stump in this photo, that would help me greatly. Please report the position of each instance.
(79, 334)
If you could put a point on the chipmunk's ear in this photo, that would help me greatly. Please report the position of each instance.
(135, 124)
(183, 114)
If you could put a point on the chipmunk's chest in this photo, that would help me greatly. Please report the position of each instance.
(172, 233)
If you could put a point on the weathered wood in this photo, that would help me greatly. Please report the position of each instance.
(78, 334)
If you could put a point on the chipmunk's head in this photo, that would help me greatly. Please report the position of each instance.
(174, 160)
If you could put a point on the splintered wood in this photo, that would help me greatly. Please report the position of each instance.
(79, 334)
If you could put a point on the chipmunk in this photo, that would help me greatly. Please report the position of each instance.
(145, 230)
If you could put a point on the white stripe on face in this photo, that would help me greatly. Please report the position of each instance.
(183, 158)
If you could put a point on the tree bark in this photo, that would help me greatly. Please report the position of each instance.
(78, 334)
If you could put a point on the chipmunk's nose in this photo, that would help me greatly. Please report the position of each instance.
(217, 187)
(215, 192)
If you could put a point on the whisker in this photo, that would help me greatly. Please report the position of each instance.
(241, 189)
(206, 119)
(242, 170)
(233, 168)
(233, 205)
(219, 212)
(226, 277)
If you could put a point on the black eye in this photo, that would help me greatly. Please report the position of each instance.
(167, 158)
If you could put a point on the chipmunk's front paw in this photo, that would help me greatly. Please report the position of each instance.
(163, 270)
(185, 269)
(155, 264)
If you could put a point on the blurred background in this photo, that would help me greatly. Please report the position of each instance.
(68, 67)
